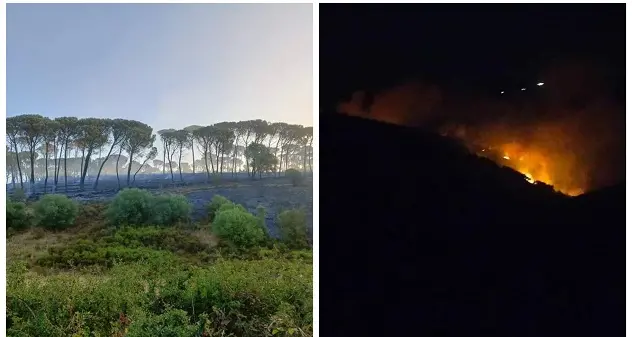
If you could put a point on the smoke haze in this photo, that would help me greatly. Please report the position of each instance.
(568, 133)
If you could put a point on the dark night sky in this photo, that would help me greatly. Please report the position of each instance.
(465, 47)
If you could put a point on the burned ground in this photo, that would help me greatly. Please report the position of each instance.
(274, 193)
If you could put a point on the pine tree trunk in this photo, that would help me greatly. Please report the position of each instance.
(118, 180)
(17, 159)
(96, 182)
(46, 168)
(129, 167)
(66, 167)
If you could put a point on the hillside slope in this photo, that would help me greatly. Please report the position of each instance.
(450, 243)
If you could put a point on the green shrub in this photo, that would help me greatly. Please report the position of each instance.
(295, 176)
(69, 305)
(55, 211)
(162, 238)
(173, 322)
(131, 206)
(18, 195)
(170, 210)
(231, 205)
(18, 216)
(216, 202)
(293, 227)
(238, 227)
(229, 298)
(262, 291)
(86, 253)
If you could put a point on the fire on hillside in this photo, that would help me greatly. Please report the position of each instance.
(532, 164)
(568, 135)
(535, 161)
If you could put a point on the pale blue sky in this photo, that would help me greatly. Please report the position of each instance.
(167, 65)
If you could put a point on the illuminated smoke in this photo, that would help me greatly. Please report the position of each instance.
(570, 137)
(407, 104)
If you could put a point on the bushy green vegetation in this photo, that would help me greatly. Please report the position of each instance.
(158, 280)
(18, 216)
(85, 253)
(138, 207)
(216, 202)
(131, 206)
(230, 205)
(242, 298)
(293, 227)
(295, 176)
(170, 209)
(55, 211)
(238, 226)
(172, 322)
(170, 239)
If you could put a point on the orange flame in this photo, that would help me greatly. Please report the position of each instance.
(536, 167)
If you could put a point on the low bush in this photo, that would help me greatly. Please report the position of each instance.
(131, 206)
(170, 209)
(87, 253)
(293, 228)
(230, 298)
(216, 202)
(18, 216)
(296, 177)
(231, 205)
(162, 238)
(238, 227)
(67, 304)
(173, 322)
(261, 291)
(55, 211)
(284, 253)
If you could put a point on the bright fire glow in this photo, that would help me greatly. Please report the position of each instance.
(534, 165)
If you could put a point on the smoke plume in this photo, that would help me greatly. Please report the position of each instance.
(570, 135)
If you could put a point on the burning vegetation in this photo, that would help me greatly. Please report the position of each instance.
(568, 135)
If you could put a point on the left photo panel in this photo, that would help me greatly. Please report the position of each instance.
(159, 163)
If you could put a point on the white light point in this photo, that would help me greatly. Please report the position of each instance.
(540, 84)
(523, 89)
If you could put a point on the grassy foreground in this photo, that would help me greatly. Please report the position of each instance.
(97, 280)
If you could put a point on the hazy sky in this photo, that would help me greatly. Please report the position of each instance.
(166, 65)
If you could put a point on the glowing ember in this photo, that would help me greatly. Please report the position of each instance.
(529, 178)
(506, 157)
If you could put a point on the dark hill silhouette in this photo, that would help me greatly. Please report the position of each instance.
(451, 244)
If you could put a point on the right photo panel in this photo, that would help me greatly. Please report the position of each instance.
(481, 148)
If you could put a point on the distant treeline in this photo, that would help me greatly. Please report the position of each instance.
(44, 149)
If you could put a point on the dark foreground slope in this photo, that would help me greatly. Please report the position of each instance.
(453, 245)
